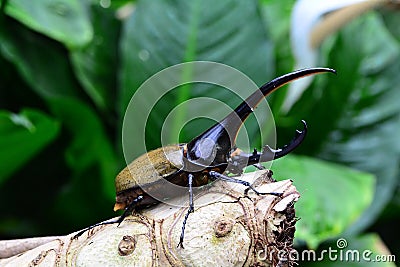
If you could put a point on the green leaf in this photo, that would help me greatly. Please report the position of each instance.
(332, 196)
(391, 19)
(96, 64)
(90, 145)
(66, 21)
(40, 61)
(161, 33)
(273, 12)
(354, 117)
(22, 136)
(365, 250)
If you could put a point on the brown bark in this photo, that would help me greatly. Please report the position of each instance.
(226, 229)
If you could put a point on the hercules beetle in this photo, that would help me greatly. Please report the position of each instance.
(203, 159)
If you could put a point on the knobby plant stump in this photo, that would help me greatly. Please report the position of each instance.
(228, 228)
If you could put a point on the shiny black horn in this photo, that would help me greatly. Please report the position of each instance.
(213, 146)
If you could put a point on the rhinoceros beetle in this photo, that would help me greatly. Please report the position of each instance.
(204, 159)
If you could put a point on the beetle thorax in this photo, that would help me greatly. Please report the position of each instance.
(201, 156)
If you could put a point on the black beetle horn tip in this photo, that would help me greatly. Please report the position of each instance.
(332, 70)
(304, 124)
(321, 69)
(302, 131)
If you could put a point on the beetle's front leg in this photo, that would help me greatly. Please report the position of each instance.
(216, 175)
(127, 211)
(190, 210)
(259, 166)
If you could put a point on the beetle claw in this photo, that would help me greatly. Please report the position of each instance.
(180, 244)
(286, 149)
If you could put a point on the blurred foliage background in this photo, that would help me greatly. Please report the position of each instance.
(69, 69)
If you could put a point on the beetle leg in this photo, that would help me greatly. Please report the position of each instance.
(190, 210)
(259, 166)
(128, 210)
(216, 175)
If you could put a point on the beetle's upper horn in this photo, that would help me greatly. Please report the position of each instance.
(224, 133)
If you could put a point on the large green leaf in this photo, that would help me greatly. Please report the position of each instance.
(64, 20)
(96, 64)
(90, 145)
(274, 12)
(332, 196)
(354, 118)
(22, 136)
(391, 19)
(41, 62)
(162, 33)
(90, 193)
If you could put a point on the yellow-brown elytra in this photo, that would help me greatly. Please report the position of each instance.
(202, 160)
